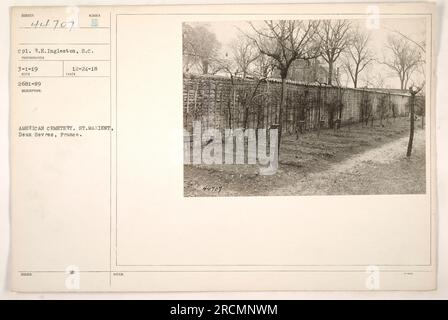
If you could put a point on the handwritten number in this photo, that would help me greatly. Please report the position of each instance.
(56, 24)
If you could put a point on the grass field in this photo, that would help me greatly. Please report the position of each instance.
(362, 160)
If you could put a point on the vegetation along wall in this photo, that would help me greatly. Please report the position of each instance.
(225, 103)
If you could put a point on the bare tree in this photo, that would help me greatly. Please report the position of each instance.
(334, 39)
(374, 80)
(228, 65)
(366, 108)
(382, 108)
(263, 66)
(285, 42)
(245, 60)
(420, 44)
(244, 53)
(357, 55)
(413, 90)
(200, 48)
(404, 59)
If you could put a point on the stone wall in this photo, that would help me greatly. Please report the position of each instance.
(220, 102)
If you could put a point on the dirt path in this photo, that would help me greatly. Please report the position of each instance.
(374, 171)
(385, 154)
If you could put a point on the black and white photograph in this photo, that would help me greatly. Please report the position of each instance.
(304, 107)
(256, 151)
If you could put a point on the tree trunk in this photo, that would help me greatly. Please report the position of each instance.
(330, 72)
(229, 104)
(205, 67)
(248, 103)
(355, 80)
(280, 111)
(331, 116)
(411, 131)
(246, 117)
(381, 113)
(318, 110)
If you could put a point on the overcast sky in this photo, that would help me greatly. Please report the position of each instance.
(413, 28)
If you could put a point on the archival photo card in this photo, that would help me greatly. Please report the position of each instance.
(223, 148)
(326, 106)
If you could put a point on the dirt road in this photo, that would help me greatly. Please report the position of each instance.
(383, 170)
